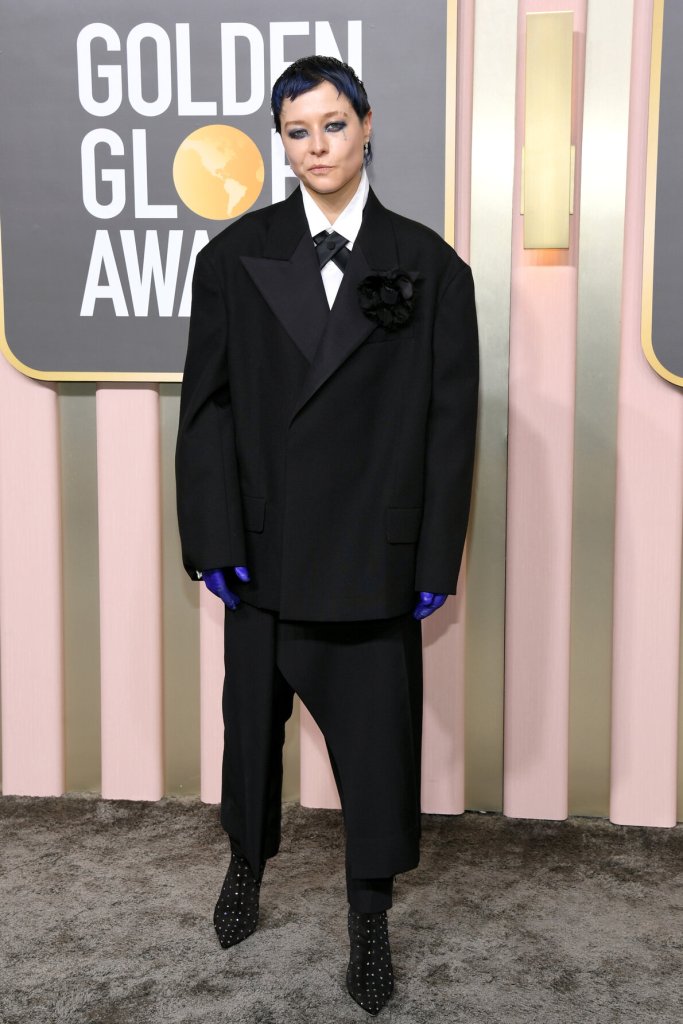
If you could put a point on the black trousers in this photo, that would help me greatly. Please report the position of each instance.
(362, 683)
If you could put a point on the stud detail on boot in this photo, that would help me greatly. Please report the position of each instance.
(236, 913)
(369, 976)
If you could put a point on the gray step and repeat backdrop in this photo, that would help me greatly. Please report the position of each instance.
(132, 132)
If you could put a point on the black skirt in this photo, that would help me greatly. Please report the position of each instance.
(361, 681)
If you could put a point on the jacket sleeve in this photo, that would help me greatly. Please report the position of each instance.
(451, 433)
(207, 479)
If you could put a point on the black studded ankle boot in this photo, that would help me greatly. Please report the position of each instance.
(236, 913)
(369, 976)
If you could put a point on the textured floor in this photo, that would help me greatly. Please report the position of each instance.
(105, 918)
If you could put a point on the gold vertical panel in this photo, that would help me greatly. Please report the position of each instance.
(451, 119)
(291, 758)
(493, 140)
(600, 266)
(180, 623)
(78, 456)
(547, 129)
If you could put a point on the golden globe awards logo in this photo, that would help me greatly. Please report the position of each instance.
(133, 132)
(218, 171)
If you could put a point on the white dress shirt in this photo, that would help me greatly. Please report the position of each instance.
(347, 224)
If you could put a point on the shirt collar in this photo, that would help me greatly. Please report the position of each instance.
(349, 220)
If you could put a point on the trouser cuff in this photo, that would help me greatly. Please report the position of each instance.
(368, 895)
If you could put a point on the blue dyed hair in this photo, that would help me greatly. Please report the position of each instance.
(307, 73)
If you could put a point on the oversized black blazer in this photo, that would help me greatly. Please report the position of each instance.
(330, 456)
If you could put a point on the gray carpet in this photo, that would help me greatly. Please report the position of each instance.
(106, 919)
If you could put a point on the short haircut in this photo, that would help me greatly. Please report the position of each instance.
(307, 73)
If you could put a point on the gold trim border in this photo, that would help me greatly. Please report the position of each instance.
(449, 230)
(56, 375)
(651, 197)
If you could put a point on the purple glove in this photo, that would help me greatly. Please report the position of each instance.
(428, 603)
(215, 581)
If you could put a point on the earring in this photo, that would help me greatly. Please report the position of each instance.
(365, 148)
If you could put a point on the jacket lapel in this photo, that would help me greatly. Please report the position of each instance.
(288, 276)
(347, 325)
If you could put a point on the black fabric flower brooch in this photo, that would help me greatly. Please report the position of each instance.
(388, 297)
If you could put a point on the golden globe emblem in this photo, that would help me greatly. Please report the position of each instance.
(218, 172)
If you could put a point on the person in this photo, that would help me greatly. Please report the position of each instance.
(324, 467)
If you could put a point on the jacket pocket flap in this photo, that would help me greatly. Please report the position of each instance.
(254, 510)
(403, 524)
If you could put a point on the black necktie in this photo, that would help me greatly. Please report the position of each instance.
(332, 246)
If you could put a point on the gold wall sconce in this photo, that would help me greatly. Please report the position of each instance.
(547, 199)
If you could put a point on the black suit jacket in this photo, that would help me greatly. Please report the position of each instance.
(330, 456)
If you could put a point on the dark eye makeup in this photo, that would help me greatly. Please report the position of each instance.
(331, 126)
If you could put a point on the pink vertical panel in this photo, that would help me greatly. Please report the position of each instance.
(31, 645)
(129, 512)
(443, 634)
(540, 470)
(212, 614)
(318, 788)
(649, 512)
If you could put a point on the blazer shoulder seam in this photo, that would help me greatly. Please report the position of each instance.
(461, 274)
